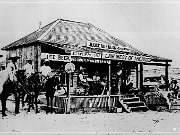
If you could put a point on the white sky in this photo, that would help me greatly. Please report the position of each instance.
(152, 27)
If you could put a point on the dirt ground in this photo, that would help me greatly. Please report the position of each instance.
(150, 122)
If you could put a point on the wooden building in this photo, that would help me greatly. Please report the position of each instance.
(64, 41)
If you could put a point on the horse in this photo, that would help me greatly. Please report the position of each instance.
(22, 85)
(8, 87)
(50, 88)
(34, 88)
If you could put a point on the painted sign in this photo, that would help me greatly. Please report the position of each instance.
(83, 59)
(98, 57)
(125, 57)
(86, 54)
(104, 46)
(56, 57)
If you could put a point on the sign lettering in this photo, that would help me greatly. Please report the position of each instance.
(86, 54)
(104, 46)
(56, 57)
(125, 57)
(94, 57)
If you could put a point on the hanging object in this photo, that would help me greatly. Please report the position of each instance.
(69, 67)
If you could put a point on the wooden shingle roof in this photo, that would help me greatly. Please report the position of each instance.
(75, 35)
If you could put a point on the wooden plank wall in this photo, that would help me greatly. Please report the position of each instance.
(28, 52)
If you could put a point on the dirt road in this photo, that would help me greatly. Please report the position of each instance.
(150, 122)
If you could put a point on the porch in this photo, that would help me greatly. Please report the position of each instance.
(96, 103)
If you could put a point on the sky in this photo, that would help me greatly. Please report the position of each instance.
(150, 26)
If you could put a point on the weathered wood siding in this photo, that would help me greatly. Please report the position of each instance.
(28, 52)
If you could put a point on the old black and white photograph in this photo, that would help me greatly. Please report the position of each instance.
(89, 67)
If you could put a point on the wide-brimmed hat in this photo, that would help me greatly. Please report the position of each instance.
(14, 57)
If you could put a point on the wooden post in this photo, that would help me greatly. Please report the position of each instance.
(109, 87)
(141, 76)
(68, 92)
(166, 76)
(37, 58)
(137, 76)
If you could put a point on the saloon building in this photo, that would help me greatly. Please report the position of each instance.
(87, 47)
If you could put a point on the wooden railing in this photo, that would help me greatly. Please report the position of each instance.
(86, 104)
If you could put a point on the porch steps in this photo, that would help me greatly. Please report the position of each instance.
(133, 103)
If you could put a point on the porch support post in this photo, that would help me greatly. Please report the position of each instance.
(166, 76)
(141, 76)
(137, 76)
(68, 93)
(109, 87)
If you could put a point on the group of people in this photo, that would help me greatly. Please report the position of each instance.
(91, 86)
(45, 70)
(12, 68)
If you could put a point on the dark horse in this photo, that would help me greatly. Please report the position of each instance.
(22, 85)
(34, 88)
(8, 88)
(50, 88)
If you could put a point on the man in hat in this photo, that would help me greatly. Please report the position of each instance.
(28, 67)
(45, 71)
(12, 66)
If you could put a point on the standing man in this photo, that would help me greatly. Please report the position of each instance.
(28, 68)
(45, 69)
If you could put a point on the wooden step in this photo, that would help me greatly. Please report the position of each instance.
(135, 102)
(138, 107)
(132, 104)
(131, 99)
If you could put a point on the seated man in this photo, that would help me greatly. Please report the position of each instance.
(12, 67)
(174, 88)
(83, 81)
(28, 67)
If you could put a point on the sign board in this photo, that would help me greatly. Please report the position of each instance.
(86, 54)
(99, 57)
(83, 59)
(125, 57)
(69, 67)
(56, 57)
(104, 46)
